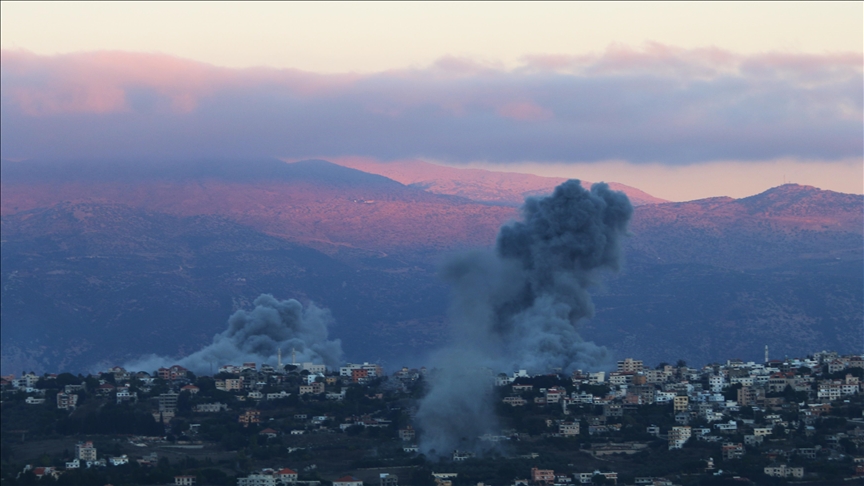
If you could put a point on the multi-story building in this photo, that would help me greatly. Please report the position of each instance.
(168, 402)
(67, 401)
(230, 384)
(546, 476)
(568, 429)
(269, 477)
(407, 434)
(211, 407)
(681, 403)
(749, 396)
(554, 394)
(314, 388)
(678, 436)
(732, 451)
(249, 417)
(85, 451)
(716, 382)
(172, 373)
(630, 365)
(784, 471)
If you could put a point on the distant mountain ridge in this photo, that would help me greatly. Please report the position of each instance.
(111, 253)
(478, 184)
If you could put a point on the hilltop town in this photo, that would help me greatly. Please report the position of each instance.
(779, 421)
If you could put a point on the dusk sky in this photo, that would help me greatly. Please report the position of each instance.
(682, 101)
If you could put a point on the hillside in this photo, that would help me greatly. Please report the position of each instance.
(769, 229)
(91, 283)
(100, 257)
(314, 203)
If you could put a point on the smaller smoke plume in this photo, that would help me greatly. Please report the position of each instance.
(257, 336)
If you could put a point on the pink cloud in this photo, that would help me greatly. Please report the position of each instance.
(101, 82)
(656, 103)
(525, 111)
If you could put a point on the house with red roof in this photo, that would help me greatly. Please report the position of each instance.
(347, 481)
(287, 475)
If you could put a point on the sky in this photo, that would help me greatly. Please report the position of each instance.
(681, 100)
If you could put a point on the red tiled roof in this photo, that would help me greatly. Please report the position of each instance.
(346, 479)
(286, 471)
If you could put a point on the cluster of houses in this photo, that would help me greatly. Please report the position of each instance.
(804, 386)
(86, 457)
(705, 404)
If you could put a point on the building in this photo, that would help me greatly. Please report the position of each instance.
(784, 471)
(514, 401)
(630, 365)
(269, 477)
(546, 476)
(119, 460)
(85, 451)
(732, 451)
(347, 481)
(716, 382)
(313, 389)
(387, 479)
(173, 373)
(554, 394)
(588, 478)
(568, 429)
(613, 410)
(230, 384)
(750, 396)
(681, 403)
(313, 368)
(168, 402)
(287, 476)
(184, 480)
(678, 436)
(407, 434)
(372, 370)
(249, 417)
(67, 401)
(359, 375)
(211, 407)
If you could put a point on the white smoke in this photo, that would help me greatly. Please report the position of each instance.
(257, 335)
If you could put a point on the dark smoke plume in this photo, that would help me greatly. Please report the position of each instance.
(517, 308)
(257, 335)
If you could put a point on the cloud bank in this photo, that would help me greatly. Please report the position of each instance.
(653, 104)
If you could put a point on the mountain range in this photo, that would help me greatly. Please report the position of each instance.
(104, 261)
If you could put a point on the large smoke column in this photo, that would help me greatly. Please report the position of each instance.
(257, 335)
(517, 308)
